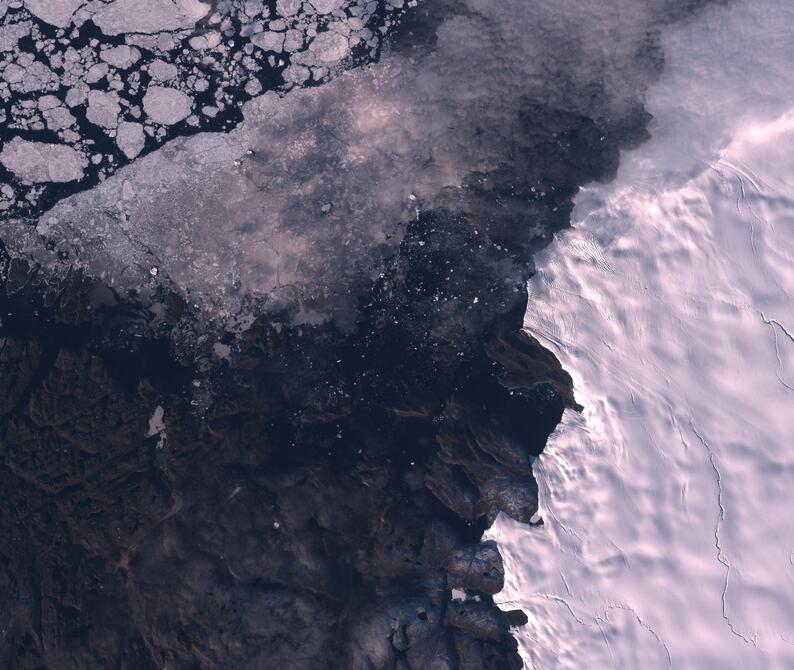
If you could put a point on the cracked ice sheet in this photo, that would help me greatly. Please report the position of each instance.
(654, 304)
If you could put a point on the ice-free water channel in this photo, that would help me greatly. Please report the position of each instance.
(669, 502)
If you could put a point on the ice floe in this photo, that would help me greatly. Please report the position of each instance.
(37, 162)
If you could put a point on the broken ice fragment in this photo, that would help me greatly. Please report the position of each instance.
(269, 41)
(148, 16)
(130, 139)
(121, 57)
(207, 41)
(55, 12)
(162, 71)
(329, 47)
(326, 6)
(222, 350)
(288, 7)
(103, 109)
(166, 106)
(42, 162)
(253, 87)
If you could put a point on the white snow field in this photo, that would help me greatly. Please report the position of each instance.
(669, 503)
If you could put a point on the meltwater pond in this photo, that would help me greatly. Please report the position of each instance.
(668, 538)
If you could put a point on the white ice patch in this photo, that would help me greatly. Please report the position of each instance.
(122, 56)
(149, 16)
(38, 162)
(167, 106)
(668, 538)
(130, 138)
(326, 6)
(157, 426)
(329, 47)
(103, 109)
(55, 12)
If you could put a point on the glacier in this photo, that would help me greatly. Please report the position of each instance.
(668, 539)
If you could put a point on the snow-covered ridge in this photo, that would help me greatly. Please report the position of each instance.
(668, 538)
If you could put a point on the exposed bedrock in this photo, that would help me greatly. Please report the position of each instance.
(281, 532)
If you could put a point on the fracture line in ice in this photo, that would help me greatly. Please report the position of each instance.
(717, 540)
(647, 627)
(772, 323)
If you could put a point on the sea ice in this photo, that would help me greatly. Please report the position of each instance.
(149, 16)
(42, 162)
(167, 106)
(55, 12)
